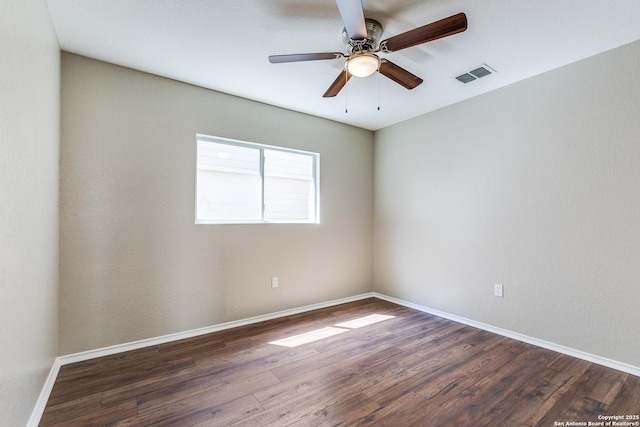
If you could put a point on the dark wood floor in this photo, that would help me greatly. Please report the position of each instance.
(412, 370)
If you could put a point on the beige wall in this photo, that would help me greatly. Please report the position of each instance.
(29, 135)
(535, 186)
(134, 265)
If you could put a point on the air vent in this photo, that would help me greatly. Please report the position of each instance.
(480, 72)
(475, 74)
(466, 78)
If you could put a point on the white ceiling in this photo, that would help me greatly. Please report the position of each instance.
(224, 45)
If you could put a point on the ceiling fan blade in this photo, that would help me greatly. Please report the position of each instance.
(399, 74)
(442, 28)
(353, 18)
(337, 84)
(298, 57)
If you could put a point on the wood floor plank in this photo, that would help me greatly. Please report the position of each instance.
(439, 387)
(202, 400)
(628, 397)
(347, 375)
(75, 385)
(215, 415)
(590, 396)
(423, 368)
(100, 417)
(481, 400)
(228, 366)
(343, 412)
(333, 350)
(330, 400)
(72, 409)
(192, 346)
(410, 369)
(537, 395)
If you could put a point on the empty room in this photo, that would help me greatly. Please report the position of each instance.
(336, 212)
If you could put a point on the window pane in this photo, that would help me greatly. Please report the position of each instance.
(240, 181)
(289, 187)
(228, 183)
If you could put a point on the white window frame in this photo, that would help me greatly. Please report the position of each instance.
(261, 148)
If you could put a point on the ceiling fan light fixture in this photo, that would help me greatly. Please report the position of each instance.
(363, 64)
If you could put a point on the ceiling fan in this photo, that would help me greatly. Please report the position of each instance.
(362, 35)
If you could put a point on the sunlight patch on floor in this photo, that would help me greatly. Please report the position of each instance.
(329, 331)
(308, 337)
(364, 321)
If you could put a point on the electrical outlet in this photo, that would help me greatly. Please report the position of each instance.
(498, 290)
(274, 282)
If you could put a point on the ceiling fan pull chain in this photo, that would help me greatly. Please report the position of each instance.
(346, 93)
(378, 84)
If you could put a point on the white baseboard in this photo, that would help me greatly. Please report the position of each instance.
(41, 403)
(60, 361)
(630, 369)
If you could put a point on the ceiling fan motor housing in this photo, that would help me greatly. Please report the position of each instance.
(370, 44)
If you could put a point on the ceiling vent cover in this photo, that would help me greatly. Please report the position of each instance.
(475, 74)
(466, 78)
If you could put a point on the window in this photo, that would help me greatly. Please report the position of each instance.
(242, 182)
